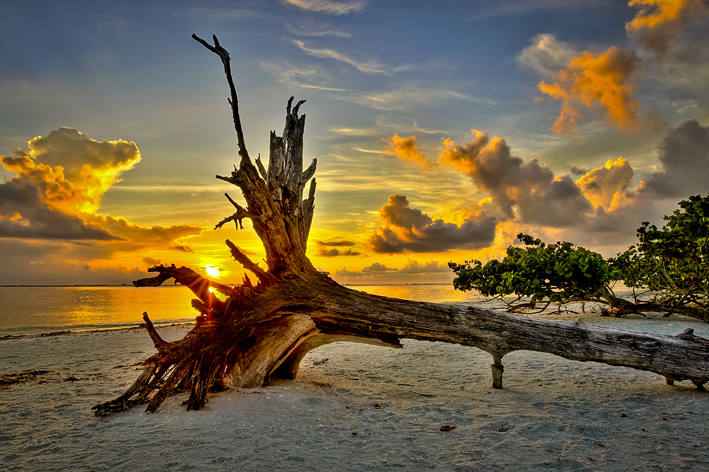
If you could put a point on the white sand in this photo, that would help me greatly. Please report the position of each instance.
(366, 408)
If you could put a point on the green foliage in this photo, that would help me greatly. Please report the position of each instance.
(671, 261)
(557, 273)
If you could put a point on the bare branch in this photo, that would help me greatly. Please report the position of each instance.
(231, 179)
(309, 172)
(233, 101)
(185, 276)
(247, 263)
(261, 169)
(247, 281)
(311, 193)
(157, 340)
(237, 217)
(297, 107)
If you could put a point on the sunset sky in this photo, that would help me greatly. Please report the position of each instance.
(441, 129)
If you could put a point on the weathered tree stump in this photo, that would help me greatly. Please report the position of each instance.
(262, 331)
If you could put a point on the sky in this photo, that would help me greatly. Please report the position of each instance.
(441, 129)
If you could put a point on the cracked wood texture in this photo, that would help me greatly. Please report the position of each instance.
(263, 330)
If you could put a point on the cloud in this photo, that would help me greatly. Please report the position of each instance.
(602, 78)
(330, 248)
(62, 177)
(684, 158)
(528, 187)
(600, 208)
(311, 32)
(337, 242)
(71, 170)
(658, 22)
(327, 6)
(402, 98)
(323, 252)
(526, 191)
(546, 55)
(136, 236)
(183, 248)
(24, 214)
(150, 262)
(376, 268)
(684, 171)
(406, 229)
(307, 78)
(600, 185)
(406, 150)
(432, 271)
(58, 186)
(578, 170)
(415, 267)
(368, 67)
(519, 7)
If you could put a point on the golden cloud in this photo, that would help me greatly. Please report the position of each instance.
(406, 150)
(601, 186)
(73, 171)
(602, 78)
(459, 157)
(58, 188)
(599, 208)
(406, 229)
(659, 21)
(526, 191)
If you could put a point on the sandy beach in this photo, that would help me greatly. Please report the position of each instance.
(428, 406)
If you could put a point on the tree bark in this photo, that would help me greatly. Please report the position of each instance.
(263, 331)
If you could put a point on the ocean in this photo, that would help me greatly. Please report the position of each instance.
(36, 310)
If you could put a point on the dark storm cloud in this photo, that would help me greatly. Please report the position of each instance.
(560, 204)
(684, 155)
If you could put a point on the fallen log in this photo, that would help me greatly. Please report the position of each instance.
(263, 331)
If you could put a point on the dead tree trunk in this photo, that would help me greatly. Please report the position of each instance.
(263, 331)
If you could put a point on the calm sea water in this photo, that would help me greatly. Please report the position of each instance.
(32, 310)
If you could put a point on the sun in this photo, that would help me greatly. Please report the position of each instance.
(212, 270)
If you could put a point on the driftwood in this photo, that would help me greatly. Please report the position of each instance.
(620, 307)
(262, 331)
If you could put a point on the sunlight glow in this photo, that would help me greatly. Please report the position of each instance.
(212, 270)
